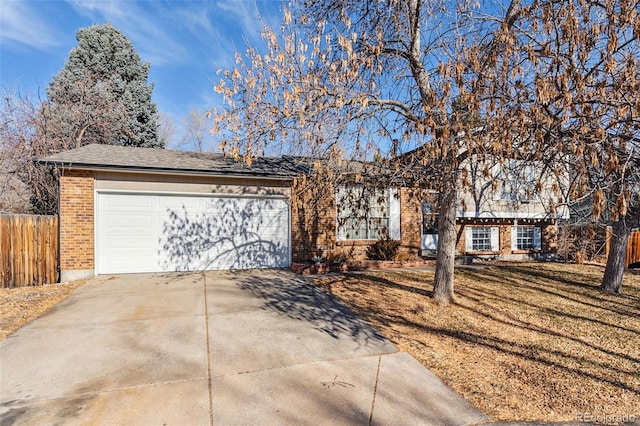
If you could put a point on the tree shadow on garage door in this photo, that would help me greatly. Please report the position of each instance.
(225, 233)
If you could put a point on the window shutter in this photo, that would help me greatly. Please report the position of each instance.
(468, 238)
(340, 208)
(537, 238)
(514, 238)
(394, 214)
(495, 238)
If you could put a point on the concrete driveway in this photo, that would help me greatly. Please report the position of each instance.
(252, 347)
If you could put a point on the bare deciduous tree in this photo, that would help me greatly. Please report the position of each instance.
(196, 130)
(548, 82)
(345, 78)
(566, 86)
(166, 130)
(27, 186)
(18, 116)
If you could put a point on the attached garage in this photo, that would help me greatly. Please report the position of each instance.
(131, 210)
(164, 232)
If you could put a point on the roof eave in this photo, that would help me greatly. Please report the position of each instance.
(166, 171)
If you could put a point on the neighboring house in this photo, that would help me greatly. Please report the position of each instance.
(125, 209)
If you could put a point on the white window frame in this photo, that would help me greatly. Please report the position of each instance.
(430, 217)
(494, 238)
(349, 224)
(536, 238)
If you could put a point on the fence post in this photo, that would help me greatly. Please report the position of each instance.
(633, 249)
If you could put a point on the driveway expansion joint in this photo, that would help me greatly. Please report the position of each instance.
(284, 367)
(206, 326)
(375, 390)
(14, 403)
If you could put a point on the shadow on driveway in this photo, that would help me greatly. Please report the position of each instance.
(294, 296)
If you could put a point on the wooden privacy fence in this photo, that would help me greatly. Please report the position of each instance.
(633, 248)
(28, 250)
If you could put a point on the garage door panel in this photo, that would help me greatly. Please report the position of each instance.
(179, 233)
(128, 222)
(226, 234)
(128, 243)
(118, 202)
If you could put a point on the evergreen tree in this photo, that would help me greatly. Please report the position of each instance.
(102, 95)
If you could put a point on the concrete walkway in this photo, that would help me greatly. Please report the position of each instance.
(216, 348)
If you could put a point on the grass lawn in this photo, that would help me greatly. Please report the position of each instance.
(18, 306)
(525, 341)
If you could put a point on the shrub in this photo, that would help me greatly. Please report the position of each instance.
(383, 249)
(407, 256)
(338, 256)
(581, 243)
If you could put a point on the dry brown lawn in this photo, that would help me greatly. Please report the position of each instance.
(525, 341)
(18, 306)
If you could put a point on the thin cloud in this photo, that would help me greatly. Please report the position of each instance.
(239, 24)
(21, 26)
(246, 17)
(152, 39)
(195, 18)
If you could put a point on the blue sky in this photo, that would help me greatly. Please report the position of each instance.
(186, 42)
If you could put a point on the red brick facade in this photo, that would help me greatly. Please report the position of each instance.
(313, 222)
(313, 228)
(313, 225)
(411, 220)
(76, 220)
(548, 230)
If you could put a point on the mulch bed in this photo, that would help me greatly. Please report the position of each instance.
(359, 265)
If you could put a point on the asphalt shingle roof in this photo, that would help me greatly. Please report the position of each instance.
(168, 161)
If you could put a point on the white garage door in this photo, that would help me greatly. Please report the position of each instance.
(155, 232)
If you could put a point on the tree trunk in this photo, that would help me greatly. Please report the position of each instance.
(614, 271)
(445, 260)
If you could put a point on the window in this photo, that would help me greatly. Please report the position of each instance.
(481, 238)
(429, 219)
(364, 214)
(525, 238)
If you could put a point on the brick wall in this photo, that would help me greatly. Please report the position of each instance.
(76, 220)
(313, 224)
(549, 237)
(549, 234)
(411, 220)
(313, 218)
